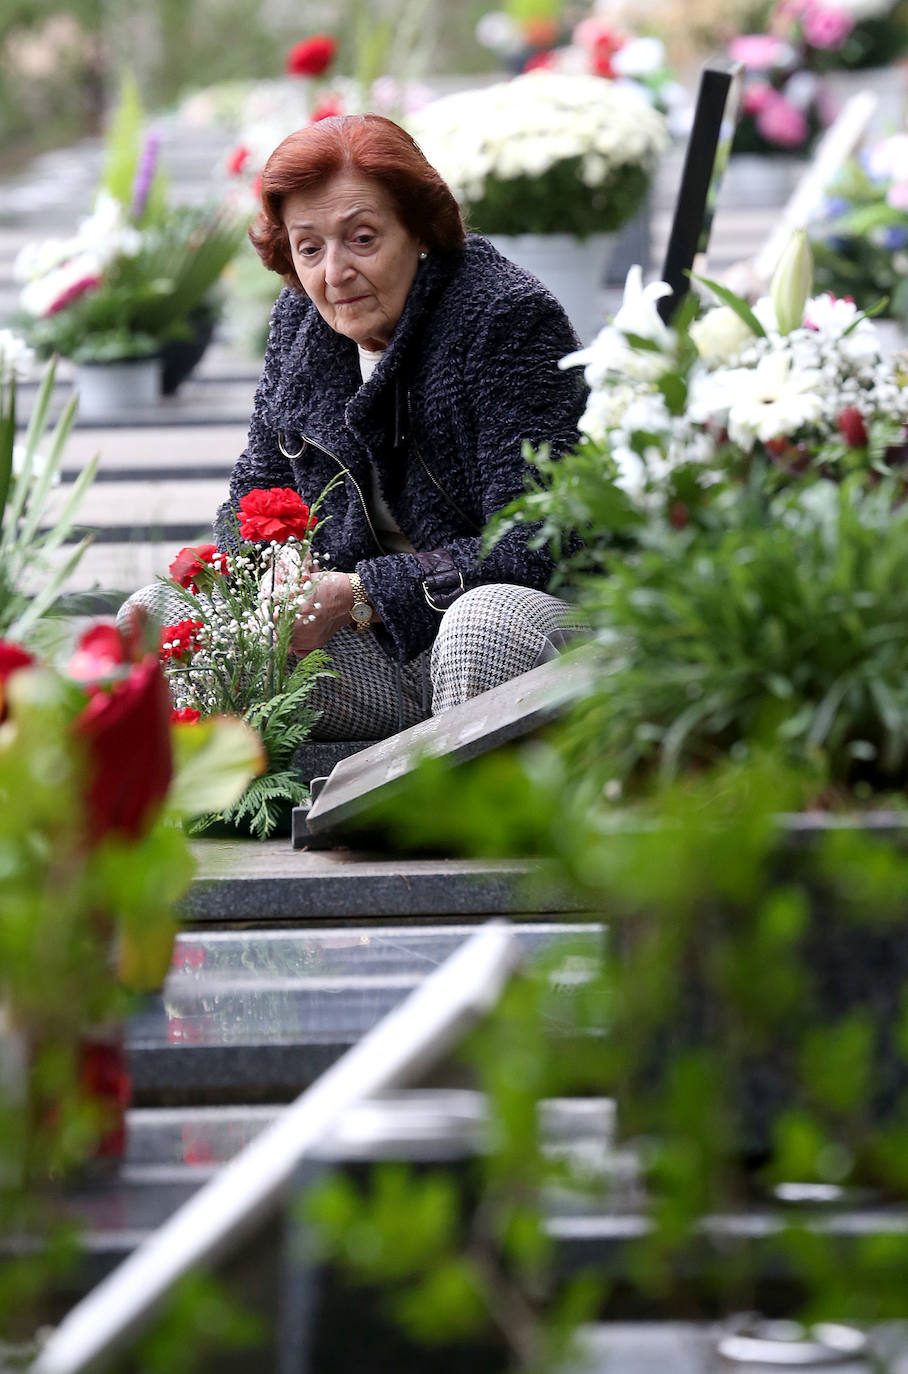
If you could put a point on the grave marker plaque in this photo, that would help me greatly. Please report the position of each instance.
(508, 712)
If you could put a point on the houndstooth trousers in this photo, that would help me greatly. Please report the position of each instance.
(489, 635)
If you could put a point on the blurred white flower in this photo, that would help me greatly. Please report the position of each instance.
(500, 32)
(770, 401)
(720, 335)
(639, 57)
(16, 358)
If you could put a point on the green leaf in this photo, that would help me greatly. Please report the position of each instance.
(7, 442)
(123, 142)
(735, 303)
(215, 760)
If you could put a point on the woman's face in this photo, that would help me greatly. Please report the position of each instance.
(355, 260)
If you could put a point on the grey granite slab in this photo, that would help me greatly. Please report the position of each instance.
(246, 880)
(493, 718)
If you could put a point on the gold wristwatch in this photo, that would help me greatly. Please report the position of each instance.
(362, 610)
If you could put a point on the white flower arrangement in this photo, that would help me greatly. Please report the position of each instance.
(545, 152)
(801, 382)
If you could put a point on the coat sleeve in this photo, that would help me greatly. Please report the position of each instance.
(513, 390)
(261, 464)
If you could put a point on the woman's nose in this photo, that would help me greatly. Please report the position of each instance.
(337, 264)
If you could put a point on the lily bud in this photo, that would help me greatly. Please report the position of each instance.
(792, 281)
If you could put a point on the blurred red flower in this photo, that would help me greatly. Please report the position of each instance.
(277, 513)
(237, 160)
(125, 733)
(188, 716)
(312, 57)
(329, 107)
(12, 658)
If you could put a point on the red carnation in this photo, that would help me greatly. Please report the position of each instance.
(180, 640)
(237, 160)
(12, 658)
(126, 736)
(197, 561)
(329, 107)
(187, 716)
(851, 426)
(278, 513)
(311, 57)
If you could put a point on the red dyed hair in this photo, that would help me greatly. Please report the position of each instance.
(374, 147)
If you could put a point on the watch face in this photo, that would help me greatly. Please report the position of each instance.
(361, 612)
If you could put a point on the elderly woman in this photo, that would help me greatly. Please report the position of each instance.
(414, 361)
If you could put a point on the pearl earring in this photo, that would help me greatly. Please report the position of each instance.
(423, 255)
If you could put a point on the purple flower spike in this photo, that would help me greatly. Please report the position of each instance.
(144, 175)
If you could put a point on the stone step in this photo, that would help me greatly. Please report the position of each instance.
(255, 1015)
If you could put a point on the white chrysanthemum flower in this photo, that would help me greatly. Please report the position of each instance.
(720, 336)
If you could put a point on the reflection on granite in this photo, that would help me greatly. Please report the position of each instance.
(255, 1016)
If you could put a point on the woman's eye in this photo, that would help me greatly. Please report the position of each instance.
(307, 250)
(363, 240)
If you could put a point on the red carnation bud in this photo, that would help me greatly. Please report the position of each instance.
(188, 715)
(197, 562)
(678, 514)
(237, 160)
(851, 426)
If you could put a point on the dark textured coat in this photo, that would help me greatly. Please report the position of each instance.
(470, 372)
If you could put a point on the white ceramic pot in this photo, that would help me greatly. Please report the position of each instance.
(118, 388)
(573, 269)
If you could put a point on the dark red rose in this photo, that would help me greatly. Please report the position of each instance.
(850, 425)
(180, 640)
(197, 561)
(278, 513)
(237, 160)
(104, 1082)
(329, 107)
(125, 733)
(12, 658)
(187, 716)
(311, 57)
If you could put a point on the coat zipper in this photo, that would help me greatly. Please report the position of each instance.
(347, 473)
(431, 475)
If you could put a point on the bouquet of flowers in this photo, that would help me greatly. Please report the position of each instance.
(681, 414)
(594, 46)
(837, 34)
(860, 233)
(230, 648)
(784, 106)
(545, 153)
(136, 272)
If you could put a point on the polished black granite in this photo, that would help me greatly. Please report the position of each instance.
(257, 1015)
(247, 881)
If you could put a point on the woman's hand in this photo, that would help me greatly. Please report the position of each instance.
(325, 611)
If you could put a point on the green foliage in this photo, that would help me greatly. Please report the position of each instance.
(30, 579)
(550, 204)
(859, 242)
(203, 1319)
(787, 633)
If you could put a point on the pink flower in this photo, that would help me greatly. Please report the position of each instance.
(755, 97)
(327, 109)
(760, 51)
(897, 195)
(827, 28)
(541, 62)
(237, 160)
(72, 293)
(782, 123)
